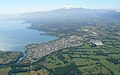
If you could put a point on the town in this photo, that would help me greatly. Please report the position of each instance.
(36, 51)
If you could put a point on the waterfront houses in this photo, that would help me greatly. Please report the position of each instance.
(36, 51)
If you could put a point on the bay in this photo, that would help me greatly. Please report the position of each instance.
(14, 35)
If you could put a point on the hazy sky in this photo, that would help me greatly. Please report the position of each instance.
(23, 6)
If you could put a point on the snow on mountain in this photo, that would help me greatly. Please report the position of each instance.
(68, 6)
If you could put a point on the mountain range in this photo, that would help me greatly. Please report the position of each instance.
(68, 13)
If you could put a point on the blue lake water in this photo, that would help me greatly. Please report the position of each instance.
(14, 35)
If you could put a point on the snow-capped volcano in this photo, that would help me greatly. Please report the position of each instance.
(68, 6)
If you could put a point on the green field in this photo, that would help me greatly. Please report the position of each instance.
(83, 60)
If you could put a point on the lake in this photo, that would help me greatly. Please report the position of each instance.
(14, 35)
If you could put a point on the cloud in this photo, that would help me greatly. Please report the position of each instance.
(16, 10)
(118, 10)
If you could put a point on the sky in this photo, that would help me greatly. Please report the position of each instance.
(25, 6)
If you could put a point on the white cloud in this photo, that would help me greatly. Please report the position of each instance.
(118, 10)
(18, 10)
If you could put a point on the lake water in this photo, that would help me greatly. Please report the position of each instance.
(14, 35)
